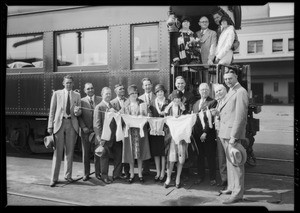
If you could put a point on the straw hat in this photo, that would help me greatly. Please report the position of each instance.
(49, 142)
(237, 154)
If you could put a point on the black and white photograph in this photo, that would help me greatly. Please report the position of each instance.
(149, 105)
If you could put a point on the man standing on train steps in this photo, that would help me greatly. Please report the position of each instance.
(63, 124)
(88, 103)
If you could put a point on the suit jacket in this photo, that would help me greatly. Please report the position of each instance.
(233, 114)
(208, 45)
(223, 50)
(99, 116)
(86, 118)
(198, 128)
(152, 102)
(116, 104)
(57, 109)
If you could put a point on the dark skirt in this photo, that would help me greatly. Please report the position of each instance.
(157, 145)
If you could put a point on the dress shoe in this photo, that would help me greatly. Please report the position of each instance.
(121, 177)
(69, 179)
(226, 192)
(156, 178)
(85, 178)
(53, 183)
(223, 183)
(232, 200)
(98, 177)
(106, 180)
(198, 181)
(131, 180)
(166, 185)
(141, 179)
(213, 182)
(178, 185)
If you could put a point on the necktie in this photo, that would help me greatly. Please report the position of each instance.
(200, 104)
(148, 99)
(91, 103)
(68, 105)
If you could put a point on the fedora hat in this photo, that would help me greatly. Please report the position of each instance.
(49, 142)
(99, 151)
(237, 154)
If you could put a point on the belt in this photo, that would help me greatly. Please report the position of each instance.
(66, 117)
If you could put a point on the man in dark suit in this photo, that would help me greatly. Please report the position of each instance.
(205, 135)
(117, 104)
(188, 100)
(88, 104)
(149, 98)
(188, 97)
(233, 120)
(63, 124)
(106, 145)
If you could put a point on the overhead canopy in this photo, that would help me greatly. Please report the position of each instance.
(195, 12)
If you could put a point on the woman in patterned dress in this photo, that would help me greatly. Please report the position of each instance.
(135, 146)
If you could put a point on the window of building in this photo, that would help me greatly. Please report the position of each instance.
(276, 86)
(145, 46)
(255, 46)
(24, 51)
(291, 44)
(82, 48)
(277, 45)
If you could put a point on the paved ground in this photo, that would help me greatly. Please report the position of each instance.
(269, 184)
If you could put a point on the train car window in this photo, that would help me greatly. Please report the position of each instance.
(24, 52)
(145, 46)
(82, 48)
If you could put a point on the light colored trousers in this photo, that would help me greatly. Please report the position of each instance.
(235, 175)
(221, 160)
(65, 140)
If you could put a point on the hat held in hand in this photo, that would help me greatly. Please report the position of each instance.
(237, 154)
(49, 142)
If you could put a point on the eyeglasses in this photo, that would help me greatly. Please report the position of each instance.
(203, 21)
(133, 93)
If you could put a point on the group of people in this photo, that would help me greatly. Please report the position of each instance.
(203, 127)
(205, 46)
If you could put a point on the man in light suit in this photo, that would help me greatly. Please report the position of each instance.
(99, 119)
(220, 94)
(117, 104)
(149, 98)
(208, 40)
(63, 124)
(88, 104)
(233, 120)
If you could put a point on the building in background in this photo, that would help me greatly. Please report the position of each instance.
(267, 44)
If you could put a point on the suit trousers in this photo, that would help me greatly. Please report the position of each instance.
(88, 149)
(235, 175)
(117, 155)
(206, 149)
(221, 160)
(65, 141)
